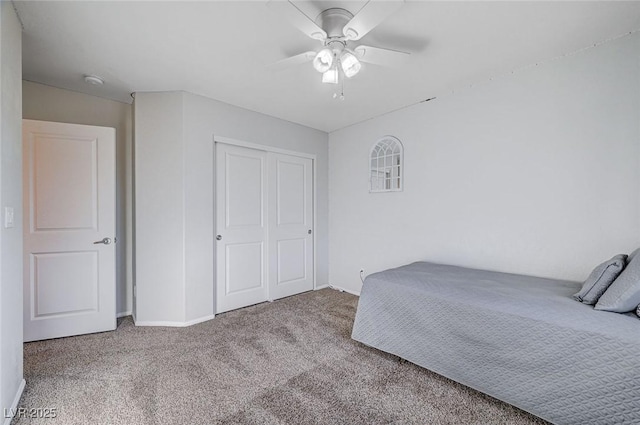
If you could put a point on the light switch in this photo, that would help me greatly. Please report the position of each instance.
(8, 217)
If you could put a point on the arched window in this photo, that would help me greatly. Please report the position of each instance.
(386, 165)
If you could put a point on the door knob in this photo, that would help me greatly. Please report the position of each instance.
(105, 241)
(309, 231)
(219, 237)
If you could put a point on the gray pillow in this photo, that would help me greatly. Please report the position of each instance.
(624, 293)
(600, 279)
(638, 311)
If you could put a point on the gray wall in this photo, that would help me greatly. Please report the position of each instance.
(159, 219)
(45, 103)
(175, 196)
(11, 376)
(535, 173)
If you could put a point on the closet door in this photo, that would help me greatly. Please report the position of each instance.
(241, 247)
(290, 225)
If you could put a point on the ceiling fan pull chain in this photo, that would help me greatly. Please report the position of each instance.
(335, 94)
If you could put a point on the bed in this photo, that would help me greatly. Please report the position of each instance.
(521, 339)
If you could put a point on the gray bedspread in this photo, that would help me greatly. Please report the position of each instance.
(521, 339)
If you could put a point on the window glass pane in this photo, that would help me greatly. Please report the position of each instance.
(385, 161)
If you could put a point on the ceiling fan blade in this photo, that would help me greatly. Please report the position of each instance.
(369, 17)
(294, 60)
(380, 56)
(299, 20)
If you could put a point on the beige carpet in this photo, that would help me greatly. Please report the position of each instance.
(287, 362)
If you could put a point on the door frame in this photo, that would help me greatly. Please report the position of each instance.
(265, 148)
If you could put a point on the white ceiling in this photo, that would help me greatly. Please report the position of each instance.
(222, 49)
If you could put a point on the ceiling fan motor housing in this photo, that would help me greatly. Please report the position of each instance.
(332, 21)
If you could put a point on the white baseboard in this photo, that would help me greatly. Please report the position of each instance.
(123, 314)
(199, 320)
(173, 324)
(16, 401)
(348, 291)
(326, 285)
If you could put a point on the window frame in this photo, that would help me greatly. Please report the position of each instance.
(386, 147)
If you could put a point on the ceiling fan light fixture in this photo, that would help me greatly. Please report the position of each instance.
(323, 60)
(350, 64)
(330, 76)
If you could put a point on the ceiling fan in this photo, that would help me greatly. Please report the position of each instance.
(337, 29)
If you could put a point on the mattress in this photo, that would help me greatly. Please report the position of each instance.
(521, 339)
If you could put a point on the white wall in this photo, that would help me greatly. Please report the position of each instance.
(159, 219)
(534, 173)
(41, 102)
(175, 196)
(11, 377)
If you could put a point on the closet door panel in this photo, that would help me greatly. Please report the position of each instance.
(241, 247)
(290, 225)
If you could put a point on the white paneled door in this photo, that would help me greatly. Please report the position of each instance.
(264, 222)
(241, 188)
(290, 225)
(69, 229)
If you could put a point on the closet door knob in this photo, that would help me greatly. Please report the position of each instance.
(309, 231)
(219, 237)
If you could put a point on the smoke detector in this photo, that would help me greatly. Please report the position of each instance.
(93, 80)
